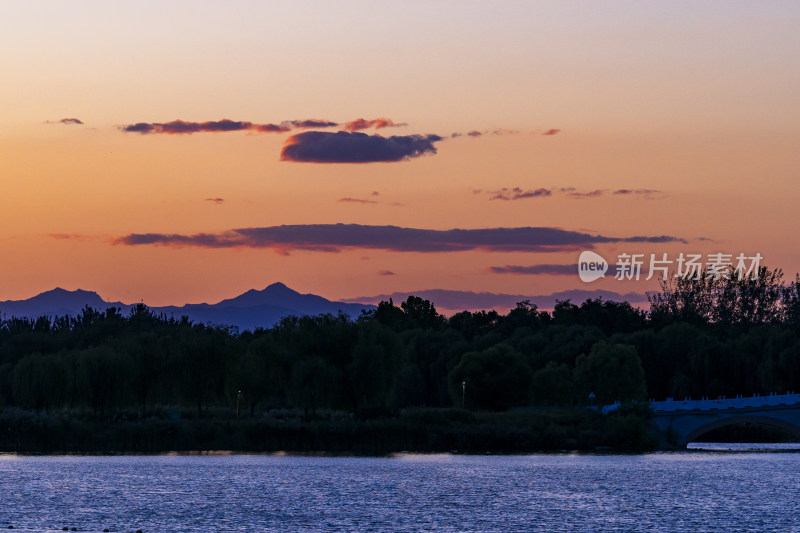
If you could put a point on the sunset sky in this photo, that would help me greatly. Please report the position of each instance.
(635, 127)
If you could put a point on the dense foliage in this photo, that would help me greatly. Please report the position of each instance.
(704, 338)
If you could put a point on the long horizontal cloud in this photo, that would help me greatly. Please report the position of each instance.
(351, 200)
(478, 133)
(553, 270)
(550, 270)
(649, 194)
(66, 121)
(587, 194)
(178, 127)
(518, 193)
(337, 237)
(311, 123)
(345, 147)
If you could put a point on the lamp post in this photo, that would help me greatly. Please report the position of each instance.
(464, 394)
(238, 397)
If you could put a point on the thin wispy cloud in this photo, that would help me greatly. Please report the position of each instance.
(71, 236)
(350, 200)
(649, 194)
(377, 123)
(588, 194)
(215, 200)
(310, 123)
(386, 273)
(355, 147)
(481, 133)
(535, 270)
(551, 270)
(66, 121)
(552, 131)
(518, 193)
(338, 237)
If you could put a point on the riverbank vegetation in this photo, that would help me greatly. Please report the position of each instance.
(402, 377)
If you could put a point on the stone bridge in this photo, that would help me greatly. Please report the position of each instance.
(684, 421)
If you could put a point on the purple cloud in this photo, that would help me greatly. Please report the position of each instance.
(311, 123)
(588, 194)
(552, 270)
(518, 194)
(345, 147)
(337, 237)
(377, 123)
(649, 194)
(182, 127)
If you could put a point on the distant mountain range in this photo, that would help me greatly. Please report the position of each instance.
(449, 301)
(250, 310)
(266, 307)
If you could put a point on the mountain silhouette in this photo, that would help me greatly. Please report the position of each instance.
(453, 301)
(249, 310)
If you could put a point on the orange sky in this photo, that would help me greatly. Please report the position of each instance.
(698, 102)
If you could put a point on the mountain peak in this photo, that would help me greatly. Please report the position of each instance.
(64, 294)
(277, 286)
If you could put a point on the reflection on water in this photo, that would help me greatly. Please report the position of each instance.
(686, 491)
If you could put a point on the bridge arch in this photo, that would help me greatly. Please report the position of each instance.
(760, 419)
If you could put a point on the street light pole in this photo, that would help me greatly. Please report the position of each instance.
(464, 394)
(238, 396)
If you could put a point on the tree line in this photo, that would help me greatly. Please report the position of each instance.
(707, 337)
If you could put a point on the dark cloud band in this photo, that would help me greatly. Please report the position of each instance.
(178, 127)
(66, 121)
(182, 127)
(518, 193)
(354, 147)
(553, 270)
(337, 237)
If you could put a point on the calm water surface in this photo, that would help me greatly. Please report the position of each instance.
(688, 491)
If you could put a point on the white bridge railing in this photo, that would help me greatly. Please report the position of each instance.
(704, 404)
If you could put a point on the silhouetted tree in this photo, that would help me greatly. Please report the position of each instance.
(496, 378)
(552, 385)
(611, 372)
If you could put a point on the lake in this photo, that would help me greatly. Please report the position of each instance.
(682, 491)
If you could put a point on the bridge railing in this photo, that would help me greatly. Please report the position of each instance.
(705, 404)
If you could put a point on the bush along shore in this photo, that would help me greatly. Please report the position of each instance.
(420, 430)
